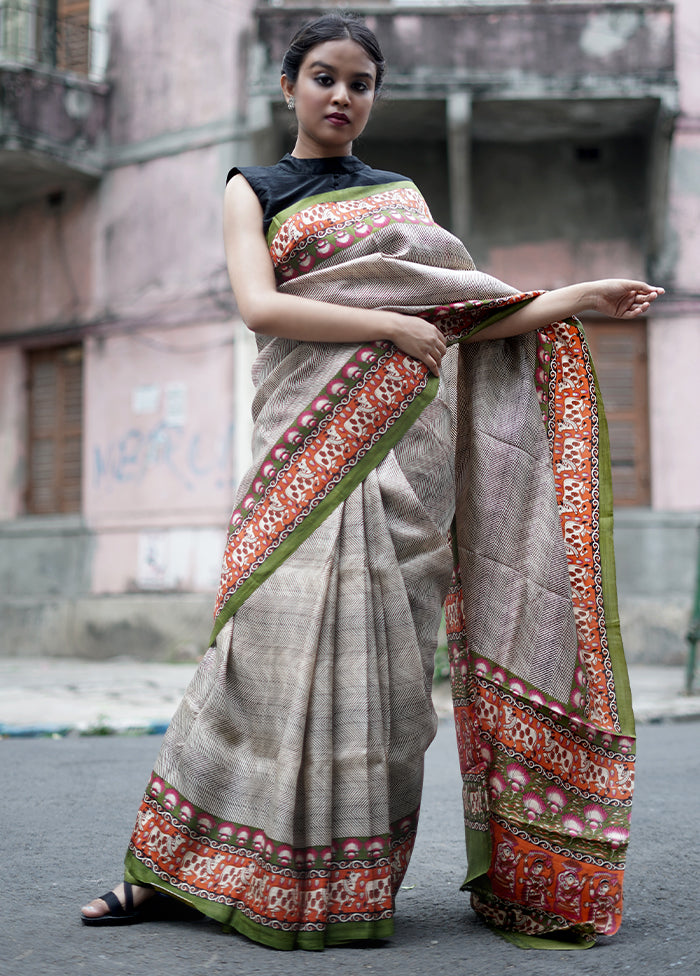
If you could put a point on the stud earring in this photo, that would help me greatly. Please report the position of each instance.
(290, 104)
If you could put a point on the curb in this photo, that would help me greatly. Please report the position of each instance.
(62, 731)
(159, 728)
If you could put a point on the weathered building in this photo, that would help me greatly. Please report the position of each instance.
(560, 140)
(117, 363)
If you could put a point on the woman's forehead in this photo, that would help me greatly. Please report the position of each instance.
(342, 54)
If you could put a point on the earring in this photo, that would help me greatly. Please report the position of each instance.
(290, 103)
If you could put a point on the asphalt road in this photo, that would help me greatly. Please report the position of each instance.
(68, 808)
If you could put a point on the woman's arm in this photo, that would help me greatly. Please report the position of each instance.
(619, 298)
(270, 312)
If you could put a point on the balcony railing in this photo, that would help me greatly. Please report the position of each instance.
(53, 99)
(33, 34)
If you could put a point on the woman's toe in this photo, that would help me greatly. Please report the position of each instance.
(96, 908)
(99, 907)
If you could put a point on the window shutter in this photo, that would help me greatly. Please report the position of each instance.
(73, 47)
(620, 355)
(54, 456)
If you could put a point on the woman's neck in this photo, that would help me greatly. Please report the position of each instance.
(308, 149)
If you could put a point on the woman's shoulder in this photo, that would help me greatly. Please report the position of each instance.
(259, 175)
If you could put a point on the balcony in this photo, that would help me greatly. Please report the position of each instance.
(533, 70)
(52, 107)
(465, 82)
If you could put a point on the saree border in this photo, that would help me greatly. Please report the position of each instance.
(623, 692)
(277, 894)
(332, 196)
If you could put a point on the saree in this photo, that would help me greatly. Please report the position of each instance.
(285, 798)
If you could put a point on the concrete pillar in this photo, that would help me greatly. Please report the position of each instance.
(459, 124)
(658, 259)
(99, 42)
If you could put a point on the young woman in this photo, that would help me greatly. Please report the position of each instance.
(285, 798)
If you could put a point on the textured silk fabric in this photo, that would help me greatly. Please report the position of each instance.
(285, 798)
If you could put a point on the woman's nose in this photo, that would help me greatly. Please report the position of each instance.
(340, 95)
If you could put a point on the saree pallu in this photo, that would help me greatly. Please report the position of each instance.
(285, 798)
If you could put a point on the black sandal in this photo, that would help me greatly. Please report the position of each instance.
(118, 914)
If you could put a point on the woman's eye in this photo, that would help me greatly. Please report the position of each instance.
(360, 86)
(324, 80)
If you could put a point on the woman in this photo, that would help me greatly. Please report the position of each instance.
(285, 798)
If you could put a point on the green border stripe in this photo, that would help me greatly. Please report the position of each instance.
(494, 317)
(478, 855)
(350, 193)
(232, 919)
(623, 693)
(335, 496)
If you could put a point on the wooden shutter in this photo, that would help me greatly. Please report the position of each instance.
(54, 454)
(73, 36)
(620, 355)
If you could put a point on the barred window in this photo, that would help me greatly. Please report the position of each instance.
(55, 422)
(620, 354)
(50, 32)
(73, 36)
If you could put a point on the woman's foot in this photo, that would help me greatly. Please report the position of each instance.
(121, 906)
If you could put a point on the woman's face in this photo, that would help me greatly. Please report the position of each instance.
(333, 96)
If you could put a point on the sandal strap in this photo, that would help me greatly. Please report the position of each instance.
(128, 898)
(113, 903)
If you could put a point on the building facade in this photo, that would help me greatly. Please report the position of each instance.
(560, 140)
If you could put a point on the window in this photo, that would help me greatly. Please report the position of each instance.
(55, 421)
(620, 354)
(18, 30)
(73, 35)
(49, 32)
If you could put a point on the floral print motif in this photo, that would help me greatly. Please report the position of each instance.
(558, 776)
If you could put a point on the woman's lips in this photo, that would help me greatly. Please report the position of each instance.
(338, 119)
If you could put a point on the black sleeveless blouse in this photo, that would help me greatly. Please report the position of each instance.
(290, 180)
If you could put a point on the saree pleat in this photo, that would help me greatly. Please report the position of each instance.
(299, 742)
(285, 799)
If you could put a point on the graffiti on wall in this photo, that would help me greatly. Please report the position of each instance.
(188, 457)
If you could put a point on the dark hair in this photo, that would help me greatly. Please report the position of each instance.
(332, 27)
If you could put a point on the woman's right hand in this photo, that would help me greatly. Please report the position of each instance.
(417, 338)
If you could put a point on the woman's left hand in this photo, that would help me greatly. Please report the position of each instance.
(621, 298)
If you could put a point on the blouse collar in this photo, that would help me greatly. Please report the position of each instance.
(326, 164)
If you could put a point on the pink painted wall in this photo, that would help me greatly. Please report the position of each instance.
(674, 339)
(687, 26)
(178, 67)
(552, 264)
(48, 262)
(158, 453)
(158, 232)
(674, 359)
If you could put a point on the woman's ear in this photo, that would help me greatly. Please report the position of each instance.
(287, 88)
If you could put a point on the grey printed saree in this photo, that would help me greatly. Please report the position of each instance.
(285, 798)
